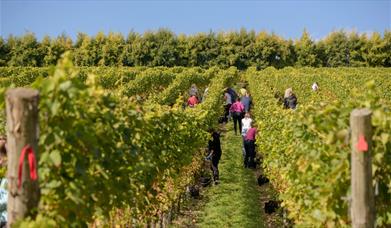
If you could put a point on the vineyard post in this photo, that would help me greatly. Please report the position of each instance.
(22, 134)
(363, 209)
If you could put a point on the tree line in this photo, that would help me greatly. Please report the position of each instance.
(241, 49)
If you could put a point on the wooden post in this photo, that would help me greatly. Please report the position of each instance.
(22, 130)
(363, 206)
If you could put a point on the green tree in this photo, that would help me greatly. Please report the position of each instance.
(4, 52)
(141, 49)
(183, 50)
(112, 50)
(377, 50)
(357, 48)
(235, 48)
(127, 53)
(84, 54)
(387, 47)
(52, 49)
(336, 48)
(99, 41)
(203, 49)
(271, 50)
(306, 51)
(24, 51)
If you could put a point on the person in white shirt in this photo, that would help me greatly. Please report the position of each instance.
(246, 124)
(315, 86)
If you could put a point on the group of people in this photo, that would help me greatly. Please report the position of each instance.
(195, 97)
(238, 108)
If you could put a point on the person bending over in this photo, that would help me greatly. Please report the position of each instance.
(249, 145)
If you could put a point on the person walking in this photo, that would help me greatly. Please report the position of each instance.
(233, 93)
(246, 101)
(246, 124)
(237, 110)
(249, 145)
(214, 148)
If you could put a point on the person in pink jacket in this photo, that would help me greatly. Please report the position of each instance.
(237, 110)
(249, 146)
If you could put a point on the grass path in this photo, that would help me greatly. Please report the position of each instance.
(235, 201)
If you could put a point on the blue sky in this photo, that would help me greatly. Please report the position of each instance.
(286, 18)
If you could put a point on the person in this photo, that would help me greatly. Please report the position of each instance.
(237, 110)
(290, 100)
(193, 91)
(192, 101)
(315, 86)
(233, 93)
(246, 101)
(246, 124)
(3, 182)
(249, 146)
(205, 94)
(3, 150)
(227, 105)
(214, 148)
(243, 91)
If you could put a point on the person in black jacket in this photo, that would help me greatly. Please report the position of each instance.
(290, 99)
(214, 148)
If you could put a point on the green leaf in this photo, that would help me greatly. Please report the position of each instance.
(65, 85)
(55, 156)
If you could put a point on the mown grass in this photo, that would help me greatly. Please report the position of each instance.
(235, 201)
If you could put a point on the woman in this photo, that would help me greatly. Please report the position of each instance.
(246, 124)
(192, 101)
(237, 110)
(249, 145)
(246, 101)
(290, 100)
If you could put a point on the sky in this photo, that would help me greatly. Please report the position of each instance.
(283, 17)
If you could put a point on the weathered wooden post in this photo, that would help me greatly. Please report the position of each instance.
(22, 139)
(363, 205)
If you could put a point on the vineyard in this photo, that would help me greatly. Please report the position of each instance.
(306, 152)
(118, 142)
